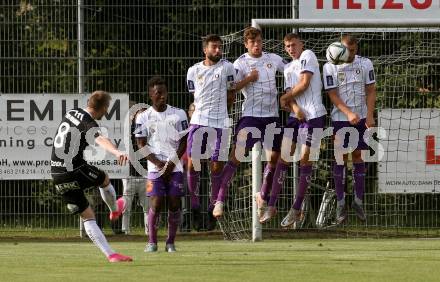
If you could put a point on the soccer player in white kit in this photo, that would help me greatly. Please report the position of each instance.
(211, 81)
(352, 90)
(303, 85)
(161, 131)
(256, 78)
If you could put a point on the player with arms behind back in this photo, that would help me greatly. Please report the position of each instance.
(162, 130)
(72, 174)
(211, 81)
(352, 89)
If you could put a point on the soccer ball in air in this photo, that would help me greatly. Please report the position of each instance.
(337, 53)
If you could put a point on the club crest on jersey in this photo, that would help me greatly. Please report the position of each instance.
(269, 65)
(341, 77)
(216, 76)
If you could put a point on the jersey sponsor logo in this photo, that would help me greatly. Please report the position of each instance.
(69, 186)
(330, 81)
(91, 174)
(303, 64)
(371, 74)
(190, 85)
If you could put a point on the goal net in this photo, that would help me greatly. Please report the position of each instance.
(401, 187)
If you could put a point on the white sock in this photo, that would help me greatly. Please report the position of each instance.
(108, 194)
(95, 234)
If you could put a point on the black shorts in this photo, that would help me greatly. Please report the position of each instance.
(71, 186)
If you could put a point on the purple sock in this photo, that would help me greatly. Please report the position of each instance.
(339, 179)
(304, 180)
(267, 181)
(359, 179)
(228, 173)
(153, 221)
(193, 188)
(173, 224)
(216, 181)
(277, 182)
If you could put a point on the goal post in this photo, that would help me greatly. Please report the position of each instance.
(386, 23)
(406, 57)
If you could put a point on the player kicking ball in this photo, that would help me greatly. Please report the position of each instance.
(161, 135)
(72, 174)
(352, 90)
(303, 89)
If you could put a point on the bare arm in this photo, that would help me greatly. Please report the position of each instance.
(287, 100)
(180, 151)
(108, 146)
(371, 104)
(353, 118)
(251, 77)
(302, 86)
(142, 143)
(297, 110)
(231, 97)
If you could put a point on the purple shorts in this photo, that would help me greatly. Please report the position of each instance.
(303, 130)
(360, 127)
(198, 147)
(156, 186)
(260, 124)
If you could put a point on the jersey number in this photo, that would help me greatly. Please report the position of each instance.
(61, 135)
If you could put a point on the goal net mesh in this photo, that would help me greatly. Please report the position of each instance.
(407, 66)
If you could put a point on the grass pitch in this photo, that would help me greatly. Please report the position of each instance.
(216, 260)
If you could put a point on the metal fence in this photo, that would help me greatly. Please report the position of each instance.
(124, 43)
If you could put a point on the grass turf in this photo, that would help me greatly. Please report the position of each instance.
(217, 260)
